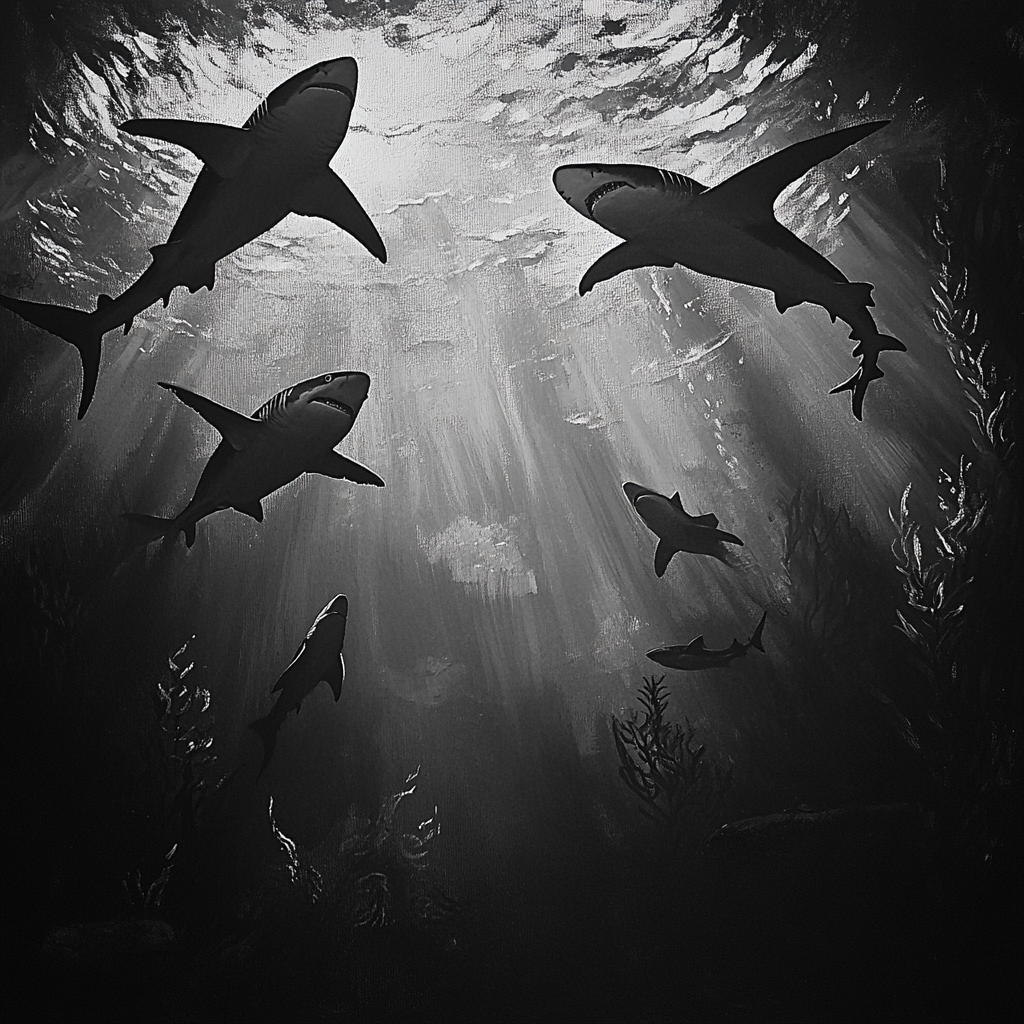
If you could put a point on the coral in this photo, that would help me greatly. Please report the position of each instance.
(662, 763)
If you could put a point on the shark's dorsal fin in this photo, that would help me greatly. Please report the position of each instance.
(223, 148)
(708, 519)
(677, 501)
(696, 645)
(336, 676)
(748, 196)
(628, 256)
(337, 466)
(326, 195)
(662, 556)
(236, 429)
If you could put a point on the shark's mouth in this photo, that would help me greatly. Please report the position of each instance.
(334, 404)
(603, 190)
(331, 87)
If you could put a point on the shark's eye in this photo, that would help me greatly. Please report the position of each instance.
(327, 378)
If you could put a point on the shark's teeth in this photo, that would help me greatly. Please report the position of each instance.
(334, 404)
(609, 186)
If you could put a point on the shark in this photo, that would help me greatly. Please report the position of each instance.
(675, 528)
(730, 232)
(319, 659)
(253, 176)
(695, 655)
(295, 432)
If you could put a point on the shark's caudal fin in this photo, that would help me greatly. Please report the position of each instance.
(755, 639)
(73, 326)
(267, 729)
(868, 349)
(150, 528)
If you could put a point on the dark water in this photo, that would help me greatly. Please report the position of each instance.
(502, 593)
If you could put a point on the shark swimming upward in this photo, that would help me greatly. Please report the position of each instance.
(294, 433)
(254, 176)
(676, 529)
(729, 231)
(318, 660)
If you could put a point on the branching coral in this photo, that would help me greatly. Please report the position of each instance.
(664, 766)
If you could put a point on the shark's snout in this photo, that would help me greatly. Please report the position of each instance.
(340, 75)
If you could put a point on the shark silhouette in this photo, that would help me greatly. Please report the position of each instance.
(294, 433)
(675, 528)
(253, 177)
(695, 655)
(729, 231)
(318, 659)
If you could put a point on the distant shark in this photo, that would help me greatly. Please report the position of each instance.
(318, 659)
(675, 528)
(695, 655)
(728, 231)
(254, 176)
(294, 433)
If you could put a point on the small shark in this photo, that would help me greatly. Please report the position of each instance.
(318, 660)
(729, 231)
(254, 176)
(695, 655)
(294, 433)
(676, 529)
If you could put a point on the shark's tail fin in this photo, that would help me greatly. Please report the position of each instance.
(73, 326)
(150, 528)
(267, 729)
(755, 639)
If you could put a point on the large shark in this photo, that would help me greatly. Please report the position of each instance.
(318, 659)
(695, 655)
(275, 164)
(675, 528)
(294, 433)
(728, 231)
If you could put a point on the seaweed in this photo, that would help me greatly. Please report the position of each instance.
(663, 765)
(180, 775)
(377, 873)
(960, 598)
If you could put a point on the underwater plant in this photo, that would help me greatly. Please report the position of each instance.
(377, 873)
(364, 873)
(959, 596)
(664, 766)
(181, 774)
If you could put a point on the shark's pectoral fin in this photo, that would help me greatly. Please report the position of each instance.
(326, 195)
(748, 197)
(236, 429)
(336, 676)
(223, 148)
(337, 466)
(662, 556)
(628, 256)
(708, 519)
(255, 509)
